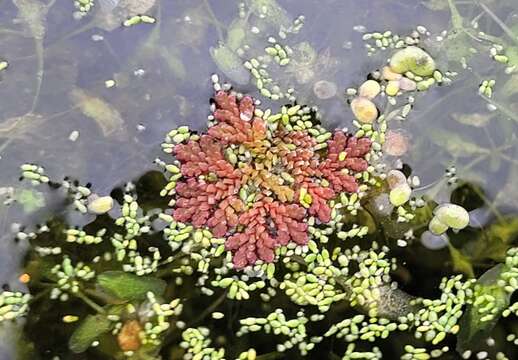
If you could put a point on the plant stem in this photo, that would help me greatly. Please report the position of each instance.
(89, 302)
(214, 20)
(210, 309)
(500, 23)
(456, 18)
(501, 108)
(270, 356)
(42, 294)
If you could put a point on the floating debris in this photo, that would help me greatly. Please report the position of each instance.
(413, 59)
(390, 75)
(324, 89)
(392, 88)
(128, 337)
(369, 89)
(407, 84)
(100, 205)
(395, 178)
(382, 204)
(364, 110)
(397, 142)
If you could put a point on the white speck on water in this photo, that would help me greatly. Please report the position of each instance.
(347, 45)
(77, 15)
(421, 29)
(74, 135)
(97, 37)
(360, 28)
(139, 72)
(109, 83)
(491, 107)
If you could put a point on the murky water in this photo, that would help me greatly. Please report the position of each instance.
(162, 80)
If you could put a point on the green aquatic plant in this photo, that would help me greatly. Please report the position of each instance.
(125, 281)
(267, 235)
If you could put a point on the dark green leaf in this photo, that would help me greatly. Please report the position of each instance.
(88, 331)
(472, 328)
(126, 286)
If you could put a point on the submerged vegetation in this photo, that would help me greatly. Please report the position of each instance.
(267, 232)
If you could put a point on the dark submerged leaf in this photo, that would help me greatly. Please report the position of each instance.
(88, 331)
(472, 328)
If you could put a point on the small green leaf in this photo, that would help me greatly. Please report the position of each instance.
(126, 286)
(473, 325)
(88, 331)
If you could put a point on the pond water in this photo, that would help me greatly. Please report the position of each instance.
(88, 98)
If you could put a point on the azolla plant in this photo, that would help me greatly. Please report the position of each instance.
(267, 246)
(255, 183)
